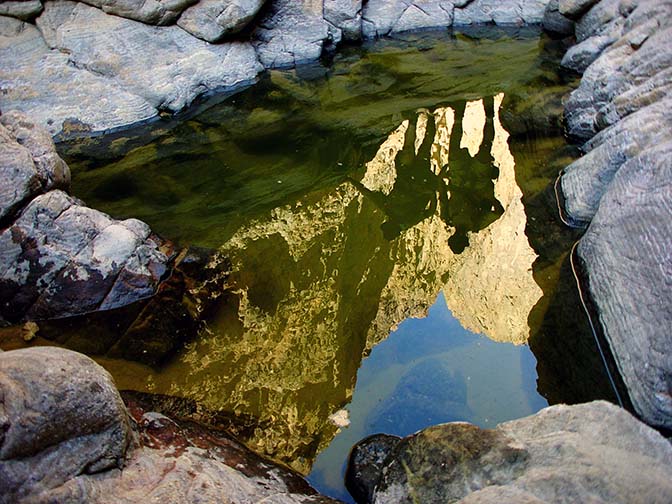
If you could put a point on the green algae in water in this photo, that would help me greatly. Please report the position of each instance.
(352, 200)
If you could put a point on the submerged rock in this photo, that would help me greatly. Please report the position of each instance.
(68, 438)
(583, 453)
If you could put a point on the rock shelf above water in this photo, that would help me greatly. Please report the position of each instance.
(88, 68)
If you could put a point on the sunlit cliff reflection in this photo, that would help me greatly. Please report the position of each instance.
(319, 282)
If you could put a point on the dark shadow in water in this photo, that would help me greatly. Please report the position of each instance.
(464, 187)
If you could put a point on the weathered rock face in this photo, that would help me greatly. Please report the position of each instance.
(61, 416)
(66, 432)
(58, 257)
(119, 69)
(622, 188)
(633, 68)
(590, 452)
(213, 20)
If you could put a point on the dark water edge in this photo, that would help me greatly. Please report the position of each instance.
(276, 178)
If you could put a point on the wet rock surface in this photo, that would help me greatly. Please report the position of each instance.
(69, 438)
(588, 452)
(621, 188)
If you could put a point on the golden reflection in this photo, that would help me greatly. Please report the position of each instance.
(474, 121)
(320, 282)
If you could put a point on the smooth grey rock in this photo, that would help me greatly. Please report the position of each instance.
(592, 452)
(628, 259)
(117, 72)
(556, 23)
(384, 17)
(292, 32)
(29, 164)
(574, 9)
(212, 20)
(346, 15)
(61, 416)
(21, 9)
(586, 179)
(155, 12)
(61, 258)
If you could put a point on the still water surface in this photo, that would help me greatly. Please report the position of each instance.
(394, 256)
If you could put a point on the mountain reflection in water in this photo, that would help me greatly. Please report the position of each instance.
(319, 282)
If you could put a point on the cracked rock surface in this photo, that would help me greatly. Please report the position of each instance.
(57, 256)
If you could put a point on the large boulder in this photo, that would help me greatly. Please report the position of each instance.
(57, 256)
(60, 417)
(212, 20)
(33, 77)
(592, 452)
(62, 258)
(67, 437)
(117, 72)
(626, 253)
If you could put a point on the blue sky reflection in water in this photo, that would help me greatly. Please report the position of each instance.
(431, 370)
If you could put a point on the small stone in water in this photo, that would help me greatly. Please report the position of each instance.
(340, 418)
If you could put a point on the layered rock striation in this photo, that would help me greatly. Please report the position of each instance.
(124, 62)
(620, 191)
